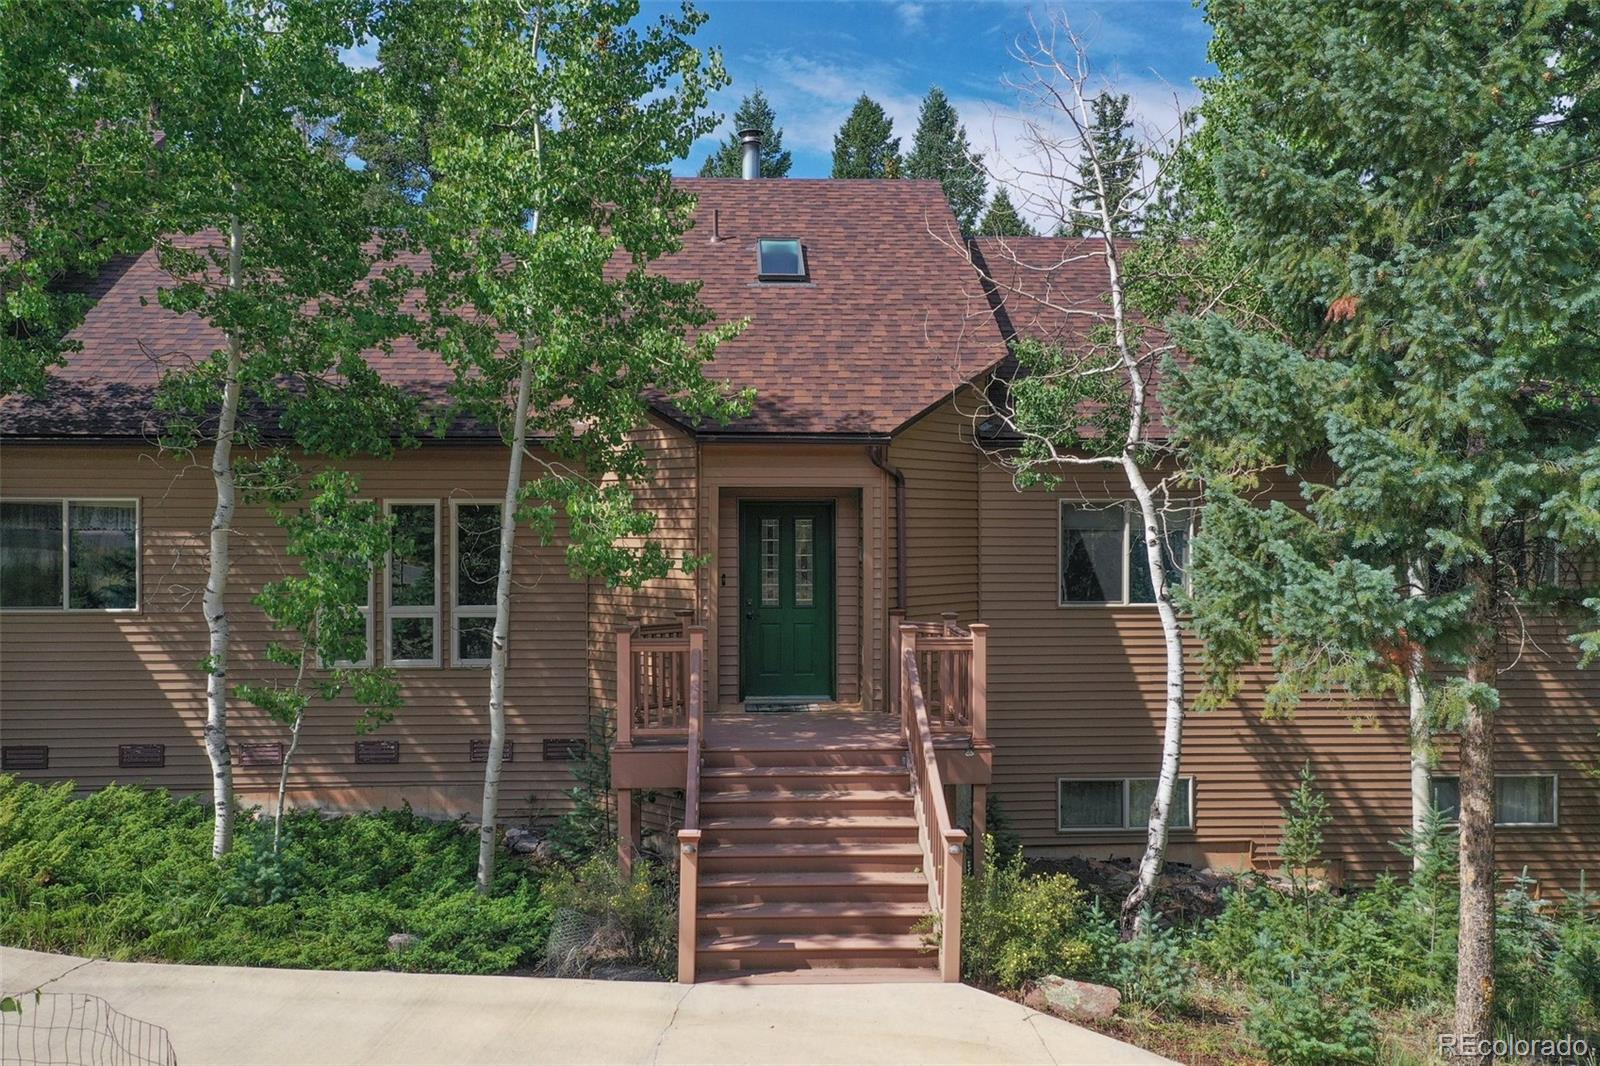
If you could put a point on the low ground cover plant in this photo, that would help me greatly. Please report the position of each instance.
(127, 873)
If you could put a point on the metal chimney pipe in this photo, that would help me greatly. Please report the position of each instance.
(750, 141)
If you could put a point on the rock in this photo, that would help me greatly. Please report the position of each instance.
(524, 840)
(1073, 1000)
(400, 943)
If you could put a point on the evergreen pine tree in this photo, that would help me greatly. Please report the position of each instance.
(1002, 220)
(727, 161)
(1118, 158)
(864, 146)
(1425, 227)
(940, 152)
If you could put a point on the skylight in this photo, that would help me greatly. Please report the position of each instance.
(781, 260)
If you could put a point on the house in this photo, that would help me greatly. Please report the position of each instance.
(867, 559)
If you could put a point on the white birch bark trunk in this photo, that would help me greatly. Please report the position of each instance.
(487, 829)
(1421, 734)
(1135, 907)
(1137, 904)
(214, 601)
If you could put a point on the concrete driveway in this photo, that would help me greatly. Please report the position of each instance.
(221, 1014)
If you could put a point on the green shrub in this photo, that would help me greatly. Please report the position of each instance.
(1016, 928)
(127, 873)
(1150, 970)
(1311, 1019)
(602, 917)
(588, 827)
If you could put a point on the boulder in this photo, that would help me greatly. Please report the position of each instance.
(524, 840)
(1073, 1000)
(400, 943)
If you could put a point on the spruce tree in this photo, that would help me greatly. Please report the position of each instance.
(1118, 156)
(727, 161)
(1415, 187)
(865, 146)
(1002, 220)
(940, 152)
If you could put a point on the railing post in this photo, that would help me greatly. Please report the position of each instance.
(897, 618)
(697, 670)
(688, 901)
(908, 653)
(625, 685)
(950, 897)
(949, 618)
(980, 681)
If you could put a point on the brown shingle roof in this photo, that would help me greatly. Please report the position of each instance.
(1054, 290)
(888, 323)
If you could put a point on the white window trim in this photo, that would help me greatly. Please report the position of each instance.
(1555, 800)
(457, 611)
(1127, 826)
(66, 555)
(391, 612)
(1129, 508)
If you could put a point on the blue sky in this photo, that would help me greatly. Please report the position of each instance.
(814, 57)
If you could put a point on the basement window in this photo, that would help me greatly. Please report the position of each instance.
(1111, 804)
(780, 260)
(1519, 799)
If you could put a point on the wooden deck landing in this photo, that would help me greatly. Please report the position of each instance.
(828, 726)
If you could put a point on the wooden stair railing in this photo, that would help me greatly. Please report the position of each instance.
(943, 845)
(689, 835)
(653, 678)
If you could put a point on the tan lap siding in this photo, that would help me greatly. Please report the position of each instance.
(85, 683)
(1078, 692)
(1549, 724)
(847, 588)
(671, 495)
(940, 466)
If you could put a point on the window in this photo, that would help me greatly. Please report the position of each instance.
(1519, 799)
(365, 610)
(73, 555)
(411, 592)
(476, 575)
(1103, 558)
(1118, 803)
(781, 260)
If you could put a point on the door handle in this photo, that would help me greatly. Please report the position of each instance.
(750, 615)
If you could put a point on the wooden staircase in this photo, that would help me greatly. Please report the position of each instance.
(810, 860)
(819, 847)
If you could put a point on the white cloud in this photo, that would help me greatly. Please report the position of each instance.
(911, 16)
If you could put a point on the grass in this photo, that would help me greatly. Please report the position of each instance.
(126, 873)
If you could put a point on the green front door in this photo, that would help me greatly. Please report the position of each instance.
(786, 600)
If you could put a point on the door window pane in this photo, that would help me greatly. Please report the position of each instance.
(104, 556)
(769, 562)
(1091, 804)
(1091, 554)
(411, 582)
(1142, 793)
(804, 562)
(30, 554)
